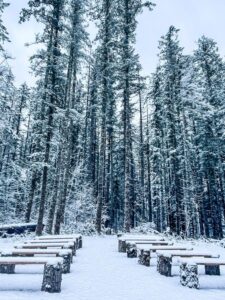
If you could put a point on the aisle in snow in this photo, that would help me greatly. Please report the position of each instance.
(101, 273)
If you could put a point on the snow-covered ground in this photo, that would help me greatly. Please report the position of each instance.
(99, 272)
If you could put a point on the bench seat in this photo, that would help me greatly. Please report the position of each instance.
(165, 259)
(123, 241)
(66, 255)
(48, 245)
(144, 252)
(54, 242)
(132, 246)
(189, 269)
(52, 275)
(77, 237)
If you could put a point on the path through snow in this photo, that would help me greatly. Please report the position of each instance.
(99, 272)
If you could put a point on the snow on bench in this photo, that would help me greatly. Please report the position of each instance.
(67, 255)
(52, 275)
(144, 252)
(132, 246)
(78, 238)
(44, 245)
(122, 241)
(189, 269)
(54, 242)
(165, 259)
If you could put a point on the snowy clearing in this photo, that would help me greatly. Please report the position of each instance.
(100, 272)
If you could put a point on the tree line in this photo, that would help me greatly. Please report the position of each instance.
(94, 145)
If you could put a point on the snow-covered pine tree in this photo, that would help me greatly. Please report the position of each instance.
(50, 14)
(209, 70)
(107, 23)
(77, 42)
(129, 70)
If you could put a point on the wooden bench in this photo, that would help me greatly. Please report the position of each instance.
(47, 245)
(144, 252)
(66, 255)
(132, 246)
(52, 275)
(78, 238)
(189, 270)
(122, 242)
(165, 259)
(54, 242)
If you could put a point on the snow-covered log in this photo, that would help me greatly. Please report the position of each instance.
(52, 278)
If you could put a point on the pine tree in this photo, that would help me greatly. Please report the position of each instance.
(209, 75)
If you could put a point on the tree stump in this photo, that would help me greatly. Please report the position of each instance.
(189, 275)
(122, 246)
(108, 231)
(66, 263)
(7, 269)
(131, 251)
(212, 270)
(80, 243)
(144, 258)
(75, 250)
(164, 265)
(52, 278)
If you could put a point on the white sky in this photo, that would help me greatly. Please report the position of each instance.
(193, 17)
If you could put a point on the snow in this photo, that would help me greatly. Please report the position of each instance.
(100, 272)
(173, 247)
(58, 241)
(34, 260)
(140, 237)
(169, 253)
(37, 251)
(151, 242)
(195, 260)
(61, 236)
(46, 244)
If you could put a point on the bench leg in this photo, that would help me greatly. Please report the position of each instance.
(144, 258)
(122, 246)
(7, 269)
(52, 278)
(80, 243)
(189, 276)
(66, 264)
(165, 265)
(212, 270)
(132, 252)
(73, 248)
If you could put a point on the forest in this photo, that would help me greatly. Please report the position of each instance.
(95, 145)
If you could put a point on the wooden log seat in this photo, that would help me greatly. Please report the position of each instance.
(52, 275)
(123, 241)
(132, 246)
(189, 270)
(43, 245)
(144, 252)
(77, 237)
(66, 255)
(165, 259)
(54, 242)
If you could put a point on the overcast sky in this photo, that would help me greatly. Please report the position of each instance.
(193, 17)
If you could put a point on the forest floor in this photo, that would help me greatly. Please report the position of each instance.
(99, 272)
